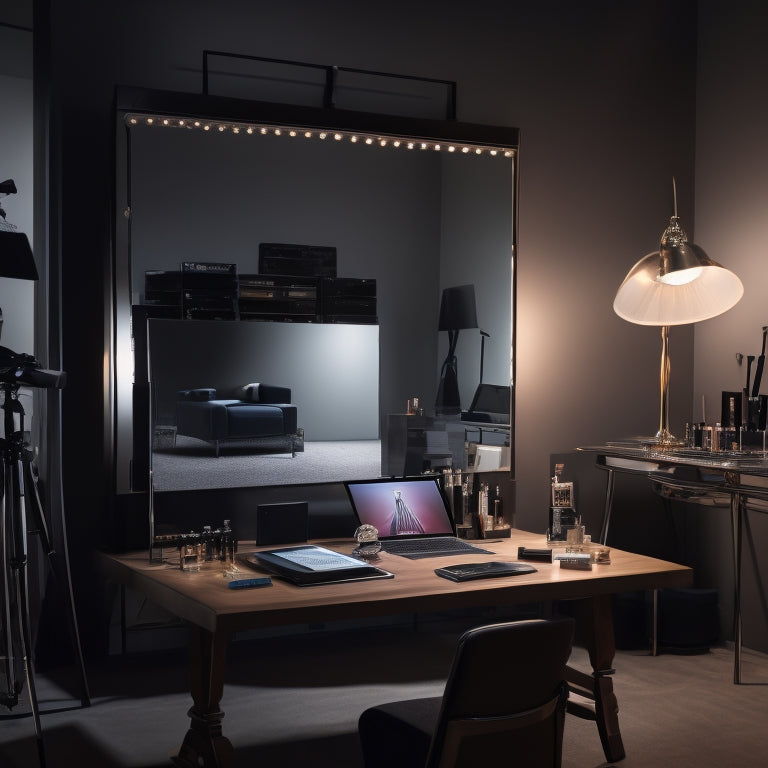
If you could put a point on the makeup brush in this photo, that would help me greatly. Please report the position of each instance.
(760, 364)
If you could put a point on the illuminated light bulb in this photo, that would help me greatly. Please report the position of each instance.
(222, 128)
(206, 127)
(166, 121)
(182, 123)
(369, 140)
(263, 131)
(383, 142)
(150, 121)
(323, 135)
(397, 142)
(465, 150)
(308, 134)
(478, 151)
(353, 139)
(410, 145)
(681, 276)
(494, 152)
(423, 145)
(508, 153)
(278, 132)
(249, 130)
(197, 123)
(133, 121)
(437, 147)
(236, 130)
(451, 148)
(291, 133)
(338, 136)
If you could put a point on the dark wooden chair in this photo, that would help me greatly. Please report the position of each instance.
(504, 699)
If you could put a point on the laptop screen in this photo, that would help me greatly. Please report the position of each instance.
(412, 507)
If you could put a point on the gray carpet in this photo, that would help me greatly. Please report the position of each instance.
(191, 465)
(294, 701)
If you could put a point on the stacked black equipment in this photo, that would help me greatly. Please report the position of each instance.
(297, 260)
(348, 300)
(278, 297)
(209, 291)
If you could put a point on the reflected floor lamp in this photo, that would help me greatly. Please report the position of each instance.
(676, 285)
(457, 311)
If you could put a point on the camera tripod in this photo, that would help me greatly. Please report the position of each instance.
(20, 496)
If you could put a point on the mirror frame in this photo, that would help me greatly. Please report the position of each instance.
(120, 418)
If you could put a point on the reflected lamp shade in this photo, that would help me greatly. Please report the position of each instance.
(457, 311)
(16, 258)
(457, 308)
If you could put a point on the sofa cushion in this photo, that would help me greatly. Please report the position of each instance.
(245, 420)
(250, 393)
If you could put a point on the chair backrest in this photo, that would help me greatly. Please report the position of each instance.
(505, 696)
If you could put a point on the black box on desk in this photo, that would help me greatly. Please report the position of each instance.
(282, 523)
(688, 620)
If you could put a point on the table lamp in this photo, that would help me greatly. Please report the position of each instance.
(457, 311)
(676, 285)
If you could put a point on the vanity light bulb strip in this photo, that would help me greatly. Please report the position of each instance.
(322, 135)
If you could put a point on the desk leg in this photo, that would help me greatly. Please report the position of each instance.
(204, 740)
(595, 621)
(736, 523)
(608, 508)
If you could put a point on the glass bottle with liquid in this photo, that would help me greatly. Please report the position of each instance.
(228, 550)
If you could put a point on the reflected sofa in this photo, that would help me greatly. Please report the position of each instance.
(243, 417)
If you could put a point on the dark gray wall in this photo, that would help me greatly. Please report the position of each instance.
(589, 84)
(731, 200)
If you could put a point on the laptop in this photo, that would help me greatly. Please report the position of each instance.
(490, 405)
(411, 516)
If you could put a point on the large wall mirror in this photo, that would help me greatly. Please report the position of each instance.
(413, 206)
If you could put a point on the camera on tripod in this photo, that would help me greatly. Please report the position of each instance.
(19, 368)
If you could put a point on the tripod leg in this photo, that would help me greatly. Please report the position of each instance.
(9, 696)
(23, 616)
(31, 467)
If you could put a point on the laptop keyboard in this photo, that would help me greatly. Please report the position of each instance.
(417, 548)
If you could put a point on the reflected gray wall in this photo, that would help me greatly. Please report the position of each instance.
(414, 221)
(332, 369)
(476, 248)
(205, 197)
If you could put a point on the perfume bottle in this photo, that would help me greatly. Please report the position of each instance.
(562, 514)
(228, 550)
(498, 509)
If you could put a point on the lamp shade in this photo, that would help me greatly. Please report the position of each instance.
(16, 258)
(457, 308)
(677, 284)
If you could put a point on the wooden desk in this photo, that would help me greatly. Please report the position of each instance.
(214, 612)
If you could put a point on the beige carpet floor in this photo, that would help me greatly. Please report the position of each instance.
(294, 701)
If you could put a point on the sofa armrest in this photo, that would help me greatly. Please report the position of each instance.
(273, 393)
